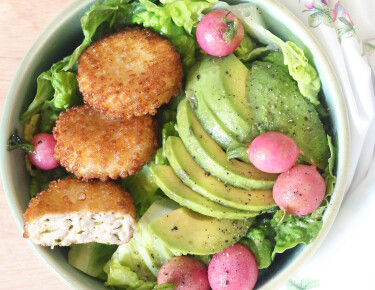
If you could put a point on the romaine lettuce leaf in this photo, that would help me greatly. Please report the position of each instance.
(205, 259)
(165, 286)
(124, 278)
(56, 91)
(298, 65)
(261, 241)
(168, 130)
(185, 44)
(184, 13)
(329, 177)
(142, 257)
(143, 189)
(293, 230)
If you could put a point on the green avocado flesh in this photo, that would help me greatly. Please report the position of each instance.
(189, 232)
(174, 188)
(203, 183)
(216, 92)
(277, 105)
(213, 159)
(91, 258)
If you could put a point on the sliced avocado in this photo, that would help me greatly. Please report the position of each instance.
(91, 258)
(219, 85)
(174, 188)
(277, 105)
(203, 183)
(210, 121)
(213, 159)
(189, 232)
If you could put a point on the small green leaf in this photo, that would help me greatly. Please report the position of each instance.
(16, 142)
(309, 283)
(231, 28)
(368, 48)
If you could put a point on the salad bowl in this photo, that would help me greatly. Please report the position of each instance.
(64, 34)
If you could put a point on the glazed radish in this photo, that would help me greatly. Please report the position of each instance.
(300, 190)
(219, 33)
(233, 269)
(42, 155)
(185, 273)
(273, 152)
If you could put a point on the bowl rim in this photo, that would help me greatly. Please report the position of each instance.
(322, 61)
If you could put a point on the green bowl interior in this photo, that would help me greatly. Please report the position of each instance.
(61, 37)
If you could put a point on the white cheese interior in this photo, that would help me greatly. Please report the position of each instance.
(81, 227)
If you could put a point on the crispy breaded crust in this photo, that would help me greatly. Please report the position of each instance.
(90, 145)
(72, 195)
(129, 73)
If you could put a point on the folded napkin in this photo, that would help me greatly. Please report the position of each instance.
(346, 31)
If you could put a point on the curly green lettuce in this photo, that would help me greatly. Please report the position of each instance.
(282, 231)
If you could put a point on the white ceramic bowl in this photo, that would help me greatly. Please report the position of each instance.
(64, 34)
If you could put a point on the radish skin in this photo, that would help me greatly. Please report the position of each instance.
(300, 190)
(212, 33)
(185, 273)
(234, 268)
(273, 152)
(42, 155)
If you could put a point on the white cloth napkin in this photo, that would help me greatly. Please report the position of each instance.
(346, 31)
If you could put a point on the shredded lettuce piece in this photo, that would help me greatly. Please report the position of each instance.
(124, 278)
(169, 129)
(165, 286)
(246, 46)
(328, 175)
(143, 189)
(31, 127)
(142, 257)
(294, 57)
(184, 13)
(56, 91)
(261, 241)
(293, 230)
(161, 21)
(205, 259)
(16, 142)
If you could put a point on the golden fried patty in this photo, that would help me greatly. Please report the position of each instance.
(71, 211)
(129, 73)
(90, 145)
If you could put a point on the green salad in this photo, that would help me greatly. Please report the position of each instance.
(200, 194)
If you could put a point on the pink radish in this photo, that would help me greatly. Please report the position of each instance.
(233, 269)
(309, 4)
(42, 155)
(185, 273)
(300, 190)
(219, 33)
(273, 152)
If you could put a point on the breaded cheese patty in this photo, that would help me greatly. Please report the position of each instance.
(71, 211)
(129, 73)
(90, 145)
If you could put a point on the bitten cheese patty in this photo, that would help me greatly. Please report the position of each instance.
(71, 211)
